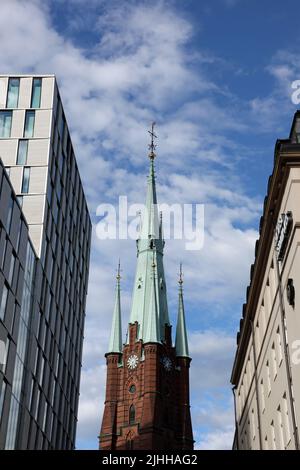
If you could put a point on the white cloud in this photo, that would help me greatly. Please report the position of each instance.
(217, 440)
(141, 68)
(91, 405)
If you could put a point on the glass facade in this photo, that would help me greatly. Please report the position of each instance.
(13, 93)
(21, 349)
(17, 269)
(42, 386)
(36, 93)
(5, 124)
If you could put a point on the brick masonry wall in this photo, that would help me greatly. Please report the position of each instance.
(161, 399)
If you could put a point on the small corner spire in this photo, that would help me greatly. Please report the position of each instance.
(152, 146)
(181, 341)
(115, 341)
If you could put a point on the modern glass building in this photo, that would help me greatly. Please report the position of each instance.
(39, 382)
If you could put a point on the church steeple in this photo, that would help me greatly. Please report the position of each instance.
(181, 342)
(147, 388)
(115, 341)
(149, 292)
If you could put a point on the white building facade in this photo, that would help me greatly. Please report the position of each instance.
(266, 371)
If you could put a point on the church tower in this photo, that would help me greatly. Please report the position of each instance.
(147, 390)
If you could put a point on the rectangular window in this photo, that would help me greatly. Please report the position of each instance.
(18, 234)
(22, 339)
(53, 392)
(30, 394)
(257, 338)
(263, 319)
(57, 364)
(266, 444)
(22, 152)
(7, 345)
(279, 346)
(39, 325)
(17, 380)
(262, 388)
(3, 253)
(273, 437)
(13, 93)
(11, 268)
(42, 371)
(29, 124)
(253, 425)
(5, 124)
(13, 317)
(36, 362)
(280, 428)
(37, 404)
(268, 377)
(36, 93)
(9, 214)
(51, 425)
(285, 411)
(12, 424)
(45, 417)
(26, 178)
(3, 389)
(3, 302)
(274, 361)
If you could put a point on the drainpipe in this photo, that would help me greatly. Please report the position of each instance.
(235, 419)
(257, 387)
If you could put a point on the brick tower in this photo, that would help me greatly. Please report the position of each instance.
(147, 389)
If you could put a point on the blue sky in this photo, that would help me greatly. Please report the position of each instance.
(216, 77)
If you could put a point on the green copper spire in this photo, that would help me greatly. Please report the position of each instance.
(152, 334)
(115, 341)
(181, 342)
(145, 305)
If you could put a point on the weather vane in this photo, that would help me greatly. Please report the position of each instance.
(152, 146)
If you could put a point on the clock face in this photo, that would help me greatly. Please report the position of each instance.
(167, 363)
(132, 361)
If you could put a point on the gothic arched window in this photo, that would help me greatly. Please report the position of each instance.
(129, 444)
(132, 414)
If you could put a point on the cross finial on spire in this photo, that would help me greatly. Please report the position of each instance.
(118, 277)
(180, 280)
(152, 146)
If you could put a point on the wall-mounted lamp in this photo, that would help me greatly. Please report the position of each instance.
(290, 292)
